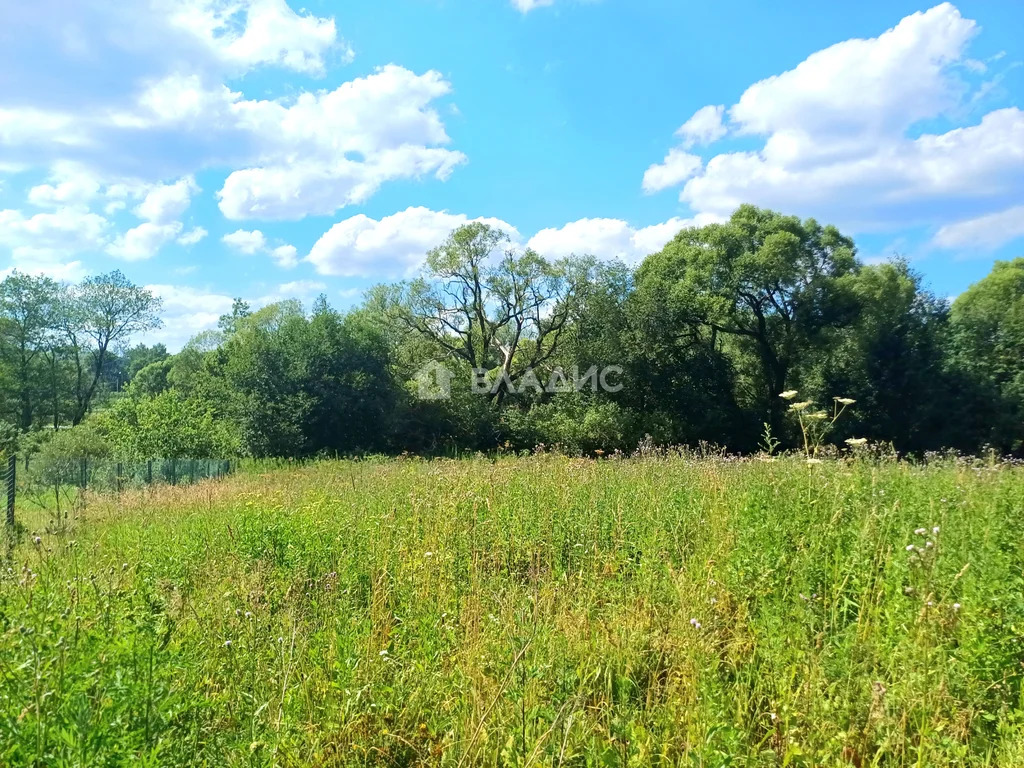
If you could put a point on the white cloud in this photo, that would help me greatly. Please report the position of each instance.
(244, 241)
(677, 167)
(47, 241)
(334, 149)
(123, 84)
(166, 202)
(193, 236)
(525, 6)
(704, 127)
(984, 232)
(839, 140)
(259, 32)
(144, 241)
(70, 186)
(253, 242)
(392, 246)
(609, 238)
(285, 256)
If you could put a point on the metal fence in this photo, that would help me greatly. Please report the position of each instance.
(36, 475)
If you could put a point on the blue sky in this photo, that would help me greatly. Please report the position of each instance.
(261, 149)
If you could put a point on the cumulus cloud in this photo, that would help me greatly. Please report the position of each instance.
(152, 74)
(245, 241)
(677, 167)
(840, 136)
(254, 241)
(704, 127)
(285, 256)
(166, 202)
(144, 241)
(193, 236)
(610, 238)
(393, 246)
(45, 242)
(333, 149)
(243, 35)
(984, 232)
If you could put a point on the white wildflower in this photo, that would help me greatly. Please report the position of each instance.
(789, 394)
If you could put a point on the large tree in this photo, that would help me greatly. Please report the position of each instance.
(28, 316)
(988, 344)
(489, 305)
(767, 283)
(102, 312)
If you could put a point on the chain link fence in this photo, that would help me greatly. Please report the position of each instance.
(38, 475)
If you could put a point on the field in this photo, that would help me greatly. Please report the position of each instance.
(526, 611)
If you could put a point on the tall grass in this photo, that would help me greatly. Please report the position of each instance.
(527, 611)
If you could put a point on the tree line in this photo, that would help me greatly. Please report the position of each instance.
(705, 336)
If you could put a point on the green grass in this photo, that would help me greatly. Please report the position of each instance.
(527, 611)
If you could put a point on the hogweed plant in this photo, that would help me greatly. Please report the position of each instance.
(816, 423)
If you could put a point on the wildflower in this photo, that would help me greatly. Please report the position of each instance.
(814, 461)
(383, 653)
(789, 394)
(36, 540)
(801, 405)
(856, 442)
(920, 531)
(428, 554)
(694, 623)
(928, 544)
(818, 415)
(714, 601)
(908, 590)
(935, 530)
(773, 716)
(124, 566)
(910, 547)
(238, 611)
(248, 614)
(844, 400)
(227, 644)
(956, 607)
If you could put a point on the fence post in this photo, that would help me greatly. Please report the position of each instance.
(12, 468)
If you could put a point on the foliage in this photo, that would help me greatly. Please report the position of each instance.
(988, 332)
(167, 426)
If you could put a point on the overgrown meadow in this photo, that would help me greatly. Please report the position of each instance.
(542, 611)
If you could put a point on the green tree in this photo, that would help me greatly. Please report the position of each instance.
(28, 316)
(988, 345)
(762, 284)
(100, 313)
(490, 306)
